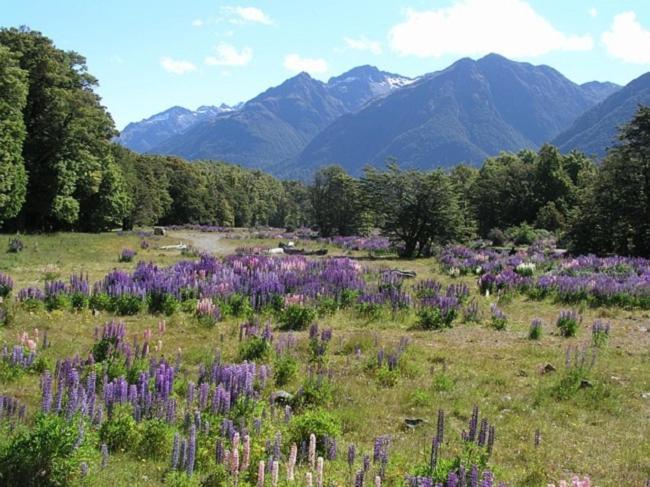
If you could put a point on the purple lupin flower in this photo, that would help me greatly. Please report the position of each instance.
(175, 451)
(440, 429)
(352, 453)
(191, 450)
(488, 479)
(473, 476)
(46, 387)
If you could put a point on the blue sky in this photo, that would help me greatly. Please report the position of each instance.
(150, 55)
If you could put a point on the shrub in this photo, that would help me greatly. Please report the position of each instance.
(239, 305)
(79, 301)
(100, 301)
(163, 303)
(434, 319)
(600, 333)
(296, 317)
(284, 369)
(315, 391)
(535, 332)
(443, 383)
(46, 454)
(254, 349)
(120, 431)
(499, 318)
(127, 305)
(568, 322)
(327, 306)
(524, 234)
(6, 285)
(387, 377)
(155, 439)
(317, 422)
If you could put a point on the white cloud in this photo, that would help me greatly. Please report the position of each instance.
(363, 44)
(176, 66)
(296, 63)
(593, 12)
(475, 27)
(198, 23)
(627, 40)
(229, 55)
(240, 15)
(117, 59)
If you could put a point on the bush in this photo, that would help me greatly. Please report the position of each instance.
(315, 391)
(163, 303)
(100, 301)
(127, 305)
(568, 322)
(284, 369)
(120, 432)
(254, 349)
(443, 383)
(387, 377)
(535, 332)
(433, 319)
(524, 234)
(239, 305)
(499, 319)
(155, 439)
(46, 454)
(318, 422)
(296, 317)
(57, 301)
(79, 301)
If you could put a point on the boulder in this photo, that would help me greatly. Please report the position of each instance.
(412, 423)
(159, 231)
(548, 368)
(281, 397)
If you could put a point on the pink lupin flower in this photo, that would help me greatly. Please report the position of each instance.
(319, 472)
(235, 441)
(312, 451)
(275, 468)
(147, 334)
(31, 344)
(377, 481)
(246, 453)
(308, 482)
(162, 326)
(291, 465)
(234, 462)
(260, 474)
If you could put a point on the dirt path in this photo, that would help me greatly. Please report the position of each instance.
(208, 242)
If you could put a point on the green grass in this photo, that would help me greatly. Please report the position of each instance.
(603, 431)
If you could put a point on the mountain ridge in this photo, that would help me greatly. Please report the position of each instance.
(464, 113)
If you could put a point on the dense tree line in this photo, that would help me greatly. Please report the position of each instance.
(601, 209)
(59, 169)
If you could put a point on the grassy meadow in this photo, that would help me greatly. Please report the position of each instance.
(601, 429)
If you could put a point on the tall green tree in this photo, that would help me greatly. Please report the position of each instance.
(614, 215)
(13, 97)
(66, 150)
(336, 202)
(415, 209)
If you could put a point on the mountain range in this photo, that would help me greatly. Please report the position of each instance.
(469, 111)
